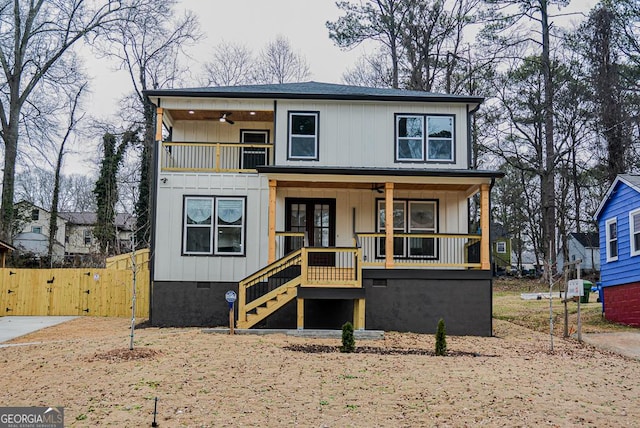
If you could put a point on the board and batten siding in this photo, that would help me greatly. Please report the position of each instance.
(171, 265)
(625, 269)
(362, 134)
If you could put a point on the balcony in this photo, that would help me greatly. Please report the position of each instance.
(214, 157)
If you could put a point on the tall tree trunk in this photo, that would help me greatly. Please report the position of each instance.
(144, 206)
(10, 138)
(548, 177)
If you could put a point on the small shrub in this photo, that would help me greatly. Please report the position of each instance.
(348, 341)
(441, 339)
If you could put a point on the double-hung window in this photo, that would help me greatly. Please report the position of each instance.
(303, 135)
(424, 138)
(611, 226)
(501, 247)
(410, 218)
(213, 225)
(634, 231)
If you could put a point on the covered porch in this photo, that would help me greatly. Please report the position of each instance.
(326, 260)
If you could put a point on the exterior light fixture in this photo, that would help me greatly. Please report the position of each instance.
(191, 112)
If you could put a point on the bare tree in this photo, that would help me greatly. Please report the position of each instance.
(378, 20)
(73, 119)
(230, 65)
(34, 37)
(150, 48)
(278, 63)
(370, 70)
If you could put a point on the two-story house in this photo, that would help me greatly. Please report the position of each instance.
(32, 234)
(285, 194)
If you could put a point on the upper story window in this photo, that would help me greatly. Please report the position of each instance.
(303, 135)
(424, 138)
(207, 233)
(501, 247)
(35, 214)
(634, 231)
(87, 237)
(611, 226)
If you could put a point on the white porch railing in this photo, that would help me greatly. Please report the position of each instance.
(213, 157)
(422, 249)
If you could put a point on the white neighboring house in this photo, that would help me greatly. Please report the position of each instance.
(33, 235)
(74, 235)
(80, 240)
(585, 247)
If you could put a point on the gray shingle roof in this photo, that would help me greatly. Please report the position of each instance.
(313, 90)
(123, 221)
(588, 240)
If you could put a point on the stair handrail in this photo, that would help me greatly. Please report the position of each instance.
(279, 265)
(254, 277)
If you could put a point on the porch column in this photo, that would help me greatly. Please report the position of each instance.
(484, 226)
(358, 314)
(273, 185)
(300, 322)
(388, 221)
(159, 114)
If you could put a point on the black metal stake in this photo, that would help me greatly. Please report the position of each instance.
(155, 412)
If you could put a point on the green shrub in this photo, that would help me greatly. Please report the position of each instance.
(348, 341)
(441, 339)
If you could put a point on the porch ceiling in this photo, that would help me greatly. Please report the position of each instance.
(235, 115)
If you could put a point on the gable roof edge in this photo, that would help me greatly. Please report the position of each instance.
(628, 179)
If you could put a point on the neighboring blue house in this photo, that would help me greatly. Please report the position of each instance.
(618, 218)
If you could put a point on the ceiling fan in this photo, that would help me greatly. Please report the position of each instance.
(225, 118)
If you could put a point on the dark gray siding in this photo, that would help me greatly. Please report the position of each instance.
(396, 300)
(415, 300)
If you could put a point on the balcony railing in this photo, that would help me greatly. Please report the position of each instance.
(450, 250)
(213, 157)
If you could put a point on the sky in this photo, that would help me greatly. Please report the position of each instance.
(252, 23)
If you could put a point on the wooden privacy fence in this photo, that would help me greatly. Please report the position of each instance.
(93, 292)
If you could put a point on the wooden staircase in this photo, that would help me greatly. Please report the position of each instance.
(268, 290)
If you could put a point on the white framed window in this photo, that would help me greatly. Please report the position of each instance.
(611, 233)
(303, 135)
(413, 217)
(410, 138)
(36, 229)
(213, 225)
(501, 247)
(424, 138)
(634, 232)
(229, 227)
(87, 237)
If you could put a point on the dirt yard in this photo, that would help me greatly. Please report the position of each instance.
(216, 380)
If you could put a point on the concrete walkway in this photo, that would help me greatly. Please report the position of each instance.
(625, 343)
(16, 326)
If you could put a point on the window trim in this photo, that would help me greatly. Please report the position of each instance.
(315, 114)
(632, 250)
(425, 138)
(213, 227)
(608, 240)
(504, 245)
(407, 202)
